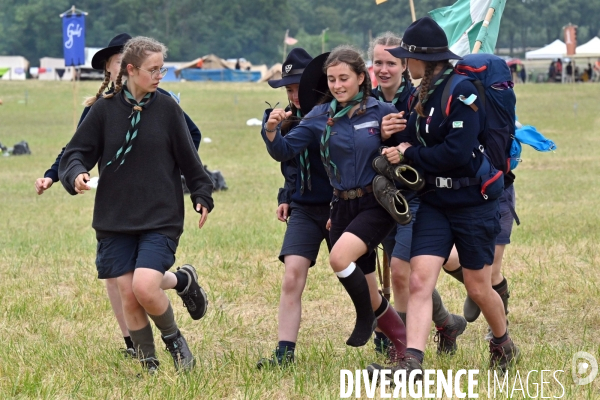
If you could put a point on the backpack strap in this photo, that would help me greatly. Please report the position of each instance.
(453, 81)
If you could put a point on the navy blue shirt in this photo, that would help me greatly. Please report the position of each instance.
(450, 145)
(52, 173)
(321, 191)
(353, 145)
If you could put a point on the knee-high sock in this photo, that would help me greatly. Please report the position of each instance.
(143, 342)
(356, 285)
(440, 312)
(166, 322)
(456, 274)
(391, 324)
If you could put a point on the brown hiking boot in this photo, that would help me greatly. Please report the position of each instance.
(446, 334)
(391, 200)
(406, 362)
(503, 355)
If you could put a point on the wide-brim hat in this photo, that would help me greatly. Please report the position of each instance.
(313, 83)
(115, 46)
(424, 40)
(292, 68)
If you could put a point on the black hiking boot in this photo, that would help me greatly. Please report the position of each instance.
(193, 296)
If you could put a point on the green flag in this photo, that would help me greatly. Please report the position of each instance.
(463, 23)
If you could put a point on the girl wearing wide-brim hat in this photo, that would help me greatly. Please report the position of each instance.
(347, 124)
(395, 86)
(108, 60)
(304, 205)
(446, 148)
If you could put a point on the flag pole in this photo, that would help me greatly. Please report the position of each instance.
(285, 44)
(486, 23)
(412, 10)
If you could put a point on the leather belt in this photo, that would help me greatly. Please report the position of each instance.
(353, 193)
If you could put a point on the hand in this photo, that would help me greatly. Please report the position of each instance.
(328, 224)
(283, 212)
(81, 183)
(392, 123)
(276, 117)
(42, 184)
(203, 214)
(395, 154)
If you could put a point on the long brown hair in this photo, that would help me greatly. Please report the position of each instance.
(351, 56)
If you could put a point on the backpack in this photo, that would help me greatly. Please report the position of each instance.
(492, 78)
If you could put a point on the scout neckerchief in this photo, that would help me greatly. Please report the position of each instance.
(441, 79)
(304, 164)
(396, 96)
(334, 115)
(133, 129)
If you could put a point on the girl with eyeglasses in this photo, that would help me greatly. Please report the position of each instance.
(347, 125)
(141, 144)
(184, 281)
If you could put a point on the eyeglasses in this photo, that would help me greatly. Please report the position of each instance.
(153, 74)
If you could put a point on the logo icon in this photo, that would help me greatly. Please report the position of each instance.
(288, 68)
(72, 30)
(584, 368)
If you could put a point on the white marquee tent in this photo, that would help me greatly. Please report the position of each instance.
(589, 49)
(556, 49)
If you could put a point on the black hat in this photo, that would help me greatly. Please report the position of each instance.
(313, 83)
(115, 46)
(292, 68)
(424, 40)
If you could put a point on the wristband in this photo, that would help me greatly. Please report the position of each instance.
(269, 130)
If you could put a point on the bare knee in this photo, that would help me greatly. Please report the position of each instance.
(293, 281)
(477, 292)
(338, 261)
(400, 273)
(418, 286)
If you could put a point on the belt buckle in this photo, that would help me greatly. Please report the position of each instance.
(351, 194)
(443, 182)
(412, 48)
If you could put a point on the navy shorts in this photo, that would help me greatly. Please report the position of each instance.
(472, 229)
(506, 216)
(364, 218)
(305, 231)
(397, 244)
(120, 254)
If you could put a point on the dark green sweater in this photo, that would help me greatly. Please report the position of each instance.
(145, 194)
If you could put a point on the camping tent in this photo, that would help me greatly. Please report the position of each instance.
(13, 67)
(273, 73)
(589, 49)
(556, 49)
(213, 68)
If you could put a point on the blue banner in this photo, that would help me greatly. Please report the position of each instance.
(74, 39)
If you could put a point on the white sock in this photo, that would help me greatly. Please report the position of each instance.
(346, 272)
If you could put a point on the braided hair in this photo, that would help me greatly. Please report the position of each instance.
(135, 52)
(105, 83)
(350, 56)
(426, 83)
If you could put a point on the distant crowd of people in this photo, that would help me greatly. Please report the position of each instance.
(573, 73)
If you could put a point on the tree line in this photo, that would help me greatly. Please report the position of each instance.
(254, 29)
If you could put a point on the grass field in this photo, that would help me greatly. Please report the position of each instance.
(59, 339)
